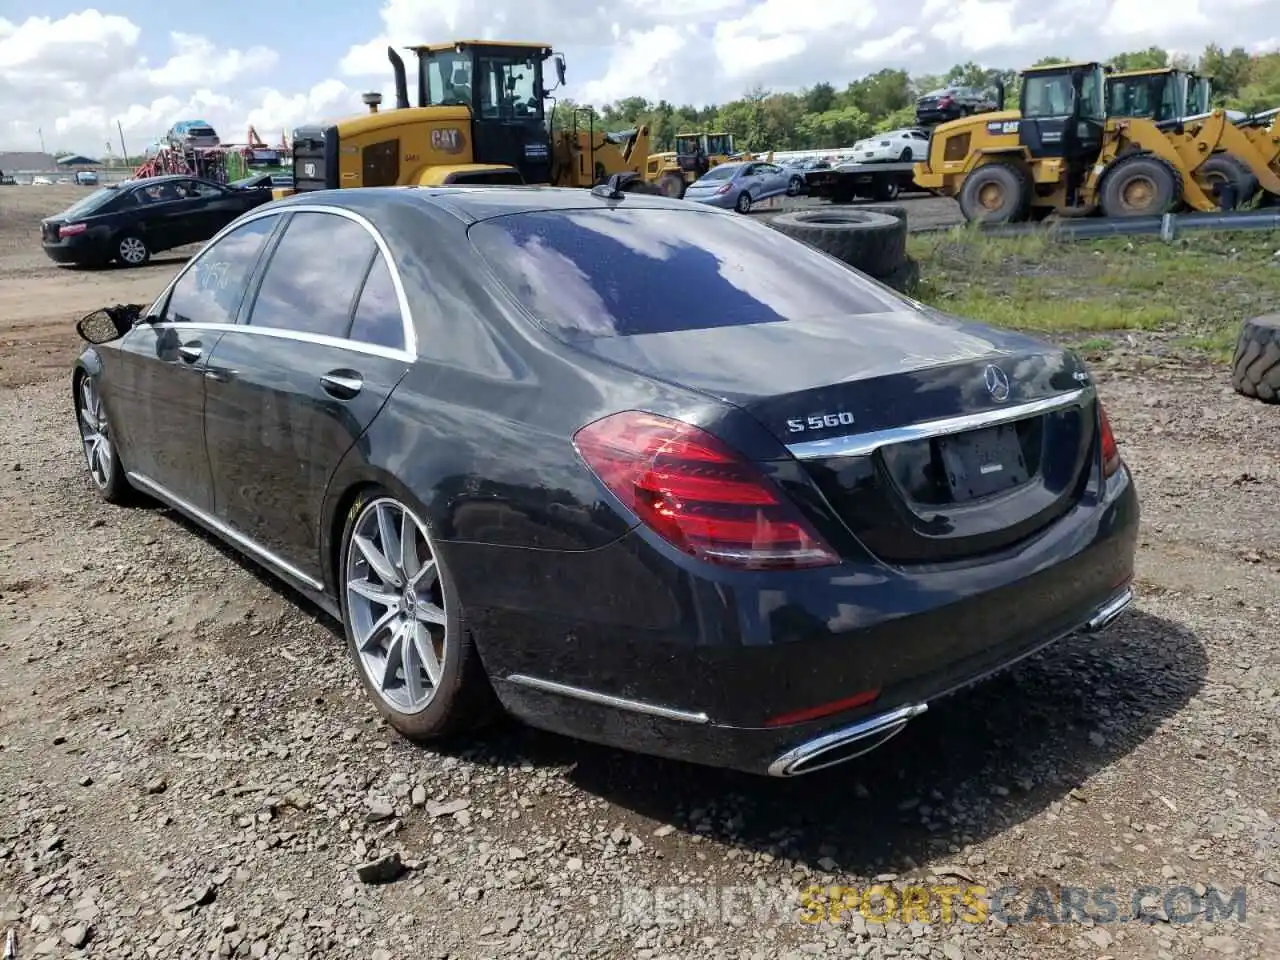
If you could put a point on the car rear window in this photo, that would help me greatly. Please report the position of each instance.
(619, 272)
(93, 203)
(723, 172)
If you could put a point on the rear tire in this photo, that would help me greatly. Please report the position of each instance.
(1141, 185)
(439, 687)
(995, 193)
(1225, 168)
(743, 204)
(1255, 371)
(132, 251)
(672, 185)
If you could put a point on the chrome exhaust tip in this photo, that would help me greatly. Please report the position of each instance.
(1107, 613)
(846, 744)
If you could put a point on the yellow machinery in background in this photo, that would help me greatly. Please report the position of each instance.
(1061, 152)
(479, 119)
(1179, 102)
(694, 155)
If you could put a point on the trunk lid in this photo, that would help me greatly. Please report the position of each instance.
(902, 420)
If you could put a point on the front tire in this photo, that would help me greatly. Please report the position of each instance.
(103, 459)
(1141, 185)
(402, 618)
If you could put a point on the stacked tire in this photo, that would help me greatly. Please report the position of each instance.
(870, 239)
(1255, 371)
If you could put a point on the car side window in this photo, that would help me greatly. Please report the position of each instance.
(211, 289)
(378, 319)
(313, 278)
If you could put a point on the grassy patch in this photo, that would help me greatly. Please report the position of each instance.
(1198, 289)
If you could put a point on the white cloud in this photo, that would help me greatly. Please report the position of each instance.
(197, 61)
(74, 77)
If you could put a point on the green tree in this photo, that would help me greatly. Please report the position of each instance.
(1147, 59)
(1230, 72)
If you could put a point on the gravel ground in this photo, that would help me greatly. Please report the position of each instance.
(189, 768)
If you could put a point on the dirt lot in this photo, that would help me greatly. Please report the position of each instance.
(189, 768)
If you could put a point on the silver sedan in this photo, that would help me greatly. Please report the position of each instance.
(737, 186)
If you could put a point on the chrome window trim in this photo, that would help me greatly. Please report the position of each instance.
(298, 336)
(862, 444)
(410, 351)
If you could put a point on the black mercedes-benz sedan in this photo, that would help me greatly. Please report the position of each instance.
(633, 470)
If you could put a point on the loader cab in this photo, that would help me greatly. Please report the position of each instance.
(1063, 111)
(1162, 95)
(502, 84)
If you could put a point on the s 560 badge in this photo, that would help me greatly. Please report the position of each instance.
(820, 421)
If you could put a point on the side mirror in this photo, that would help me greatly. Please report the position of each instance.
(560, 68)
(111, 323)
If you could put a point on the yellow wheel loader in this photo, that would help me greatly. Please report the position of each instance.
(1061, 153)
(694, 155)
(480, 119)
(1225, 148)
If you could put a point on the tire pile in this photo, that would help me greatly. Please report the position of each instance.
(870, 239)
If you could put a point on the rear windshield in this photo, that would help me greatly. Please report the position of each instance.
(723, 172)
(608, 273)
(92, 203)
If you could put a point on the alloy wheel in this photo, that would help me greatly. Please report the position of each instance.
(94, 433)
(396, 605)
(133, 251)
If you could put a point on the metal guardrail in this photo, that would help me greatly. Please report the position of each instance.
(1167, 227)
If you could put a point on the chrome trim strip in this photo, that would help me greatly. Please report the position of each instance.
(224, 531)
(297, 336)
(865, 443)
(606, 699)
(883, 725)
(410, 351)
(1109, 611)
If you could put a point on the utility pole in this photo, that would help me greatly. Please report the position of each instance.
(40, 132)
(123, 149)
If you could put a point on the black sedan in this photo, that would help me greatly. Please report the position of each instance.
(951, 103)
(634, 470)
(129, 222)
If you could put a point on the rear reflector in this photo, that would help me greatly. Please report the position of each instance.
(1110, 451)
(698, 495)
(824, 709)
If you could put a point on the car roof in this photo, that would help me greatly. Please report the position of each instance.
(474, 203)
(168, 178)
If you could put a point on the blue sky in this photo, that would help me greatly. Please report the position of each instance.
(73, 71)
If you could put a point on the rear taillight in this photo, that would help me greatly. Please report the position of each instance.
(1110, 451)
(699, 495)
(945, 102)
(71, 229)
(725, 189)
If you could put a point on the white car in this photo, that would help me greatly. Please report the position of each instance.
(41, 182)
(896, 146)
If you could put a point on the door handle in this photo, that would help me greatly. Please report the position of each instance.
(191, 353)
(344, 385)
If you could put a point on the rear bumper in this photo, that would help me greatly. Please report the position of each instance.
(740, 670)
(724, 201)
(78, 249)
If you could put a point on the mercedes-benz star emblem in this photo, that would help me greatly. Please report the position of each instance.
(997, 383)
